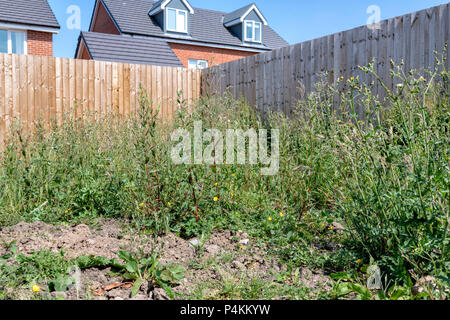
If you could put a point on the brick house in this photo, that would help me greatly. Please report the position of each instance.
(27, 27)
(173, 33)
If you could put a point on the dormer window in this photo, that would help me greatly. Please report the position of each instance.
(247, 24)
(177, 20)
(173, 16)
(253, 31)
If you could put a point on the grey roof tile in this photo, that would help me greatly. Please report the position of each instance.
(206, 25)
(117, 48)
(30, 12)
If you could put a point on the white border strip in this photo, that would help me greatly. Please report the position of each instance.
(27, 27)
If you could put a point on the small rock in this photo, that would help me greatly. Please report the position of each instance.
(213, 249)
(415, 290)
(58, 294)
(337, 226)
(422, 283)
(238, 265)
(332, 246)
(115, 293)
(118, 299)
(194, 243)
(160, 294)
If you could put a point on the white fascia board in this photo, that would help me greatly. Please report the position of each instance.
(233, 22)
(254, 7)
(28, 27)
(155, 11)
(186, 3)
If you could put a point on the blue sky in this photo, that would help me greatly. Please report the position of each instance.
(294, 20)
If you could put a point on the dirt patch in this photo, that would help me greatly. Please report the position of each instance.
(224, 256)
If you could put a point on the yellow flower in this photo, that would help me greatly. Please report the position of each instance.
(242, 247)
(169, 204)
(352, 78)
(67, 211)
(331, 228)
(281, 214)
(216, 199)
(216, 184)
(233, 175)
(36, 288)
(270, 219)
(358, 261)
(232, 194)
(141, 205)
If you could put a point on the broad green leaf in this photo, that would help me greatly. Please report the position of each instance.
(136, 287)
(124, 255)
(132, 266)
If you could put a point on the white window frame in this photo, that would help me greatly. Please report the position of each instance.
(197, 63)
(177, 11)
(25, 46)
(254, 23)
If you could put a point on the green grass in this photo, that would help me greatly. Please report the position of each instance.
(386, 178)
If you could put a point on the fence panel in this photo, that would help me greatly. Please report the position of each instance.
(34, 88)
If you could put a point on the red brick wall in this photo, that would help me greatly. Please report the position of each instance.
(103, 23)
(214, 56)
(84, 52)
(40, 43)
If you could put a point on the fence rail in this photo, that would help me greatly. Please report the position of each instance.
(34, 87)
(276, 80)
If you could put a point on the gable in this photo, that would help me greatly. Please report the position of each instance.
(177, 4)
(102, 21)
(253, 16)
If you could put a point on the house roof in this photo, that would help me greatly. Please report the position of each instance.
(207, 26)
(119, 48)
(29, 12)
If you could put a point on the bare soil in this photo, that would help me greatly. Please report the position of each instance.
(224, 256)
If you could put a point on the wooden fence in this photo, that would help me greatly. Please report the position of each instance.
(276, 80)
(34, 87)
